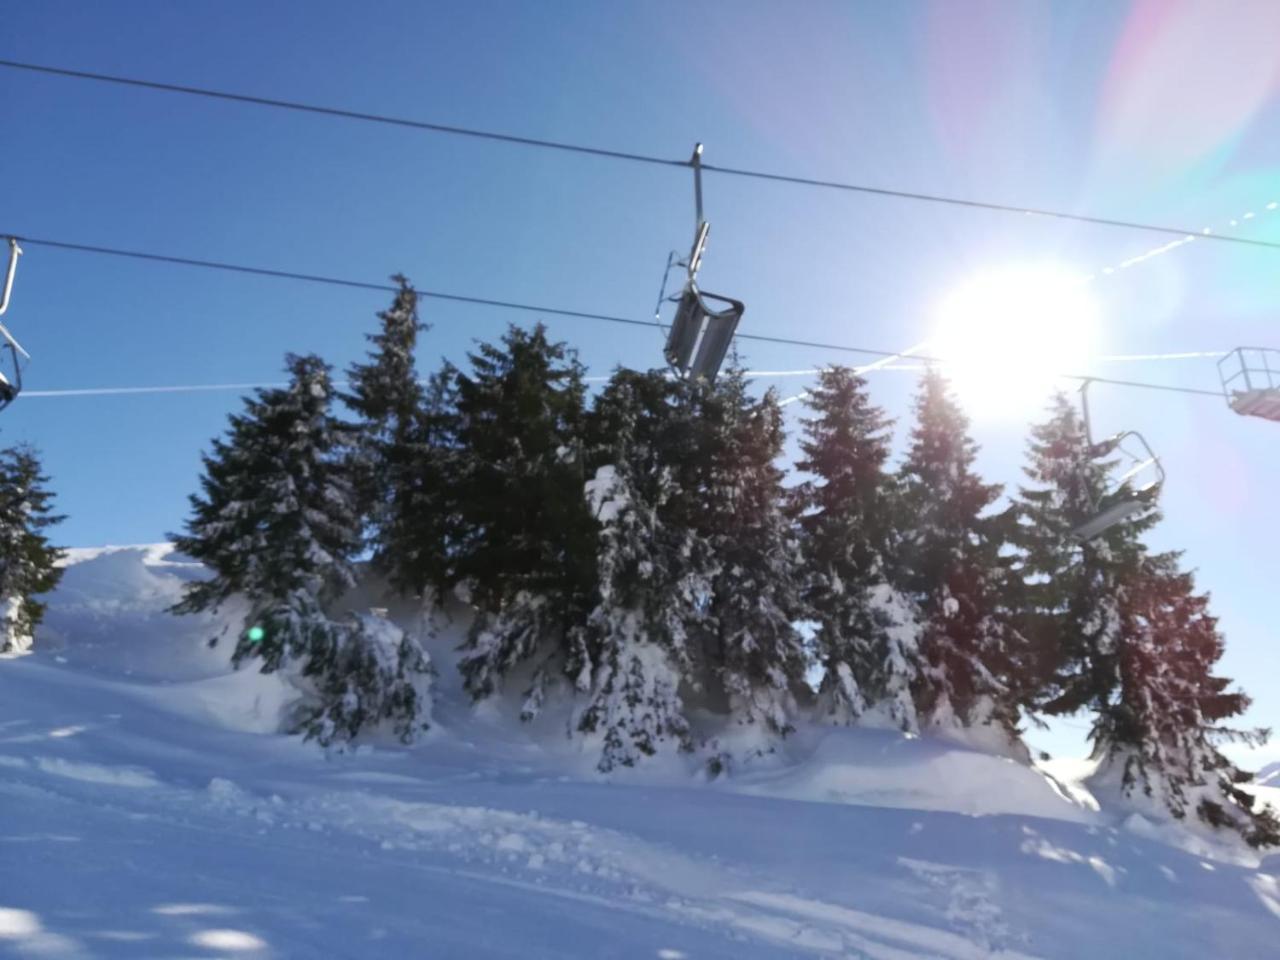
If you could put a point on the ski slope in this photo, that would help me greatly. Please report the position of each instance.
(147, 810)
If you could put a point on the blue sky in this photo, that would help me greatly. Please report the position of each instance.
(1165, 112)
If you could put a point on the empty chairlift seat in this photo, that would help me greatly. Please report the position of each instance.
(1251, 381)
(1133, 489)
(1257, 403)
(704, 323)
(701, 333)
(10, 369)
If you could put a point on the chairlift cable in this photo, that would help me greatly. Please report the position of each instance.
(611, 154)
(196, 388)
(1194, 391)
(219, 387)
(988, 205)
(528, 308)
(343, 113)
(319, 278)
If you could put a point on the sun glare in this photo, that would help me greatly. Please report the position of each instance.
(1006, 334)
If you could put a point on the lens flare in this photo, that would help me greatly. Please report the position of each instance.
(1004, 335)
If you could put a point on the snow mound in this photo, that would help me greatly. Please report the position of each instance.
(882, 768)
(111, 614)
(97, 773)
(135, 761)
(242, 700)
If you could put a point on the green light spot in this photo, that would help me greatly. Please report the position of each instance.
(255, 634)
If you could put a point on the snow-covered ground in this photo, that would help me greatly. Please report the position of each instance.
(146, 810)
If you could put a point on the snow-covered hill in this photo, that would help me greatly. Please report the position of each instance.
(1269, 776)
(147, 811)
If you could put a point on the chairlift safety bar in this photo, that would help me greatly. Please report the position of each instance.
(10, 341)
(1137, 468)
(1264, 368)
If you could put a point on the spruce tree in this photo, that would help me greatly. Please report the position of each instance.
(952, 570)
(525, 553)
(866, 635)
(1074, 592)
(276, 523)
(371, 674)
(386, 396)
(649, 593)
(1161, 736)
(421, 529)
(28, 562)
(1123, 633)
(752, 652)
(404, 454)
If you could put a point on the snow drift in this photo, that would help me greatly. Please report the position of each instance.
(146, 809)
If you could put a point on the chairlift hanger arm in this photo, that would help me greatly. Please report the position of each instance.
(1084, 407)
(6, 338)
(694, 263)
(695, 161)
(701, 228)
(15, 252)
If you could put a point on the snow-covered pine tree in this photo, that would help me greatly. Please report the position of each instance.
(276, 523)
(951, 568)
(387, 397)
(28, 562)
(653, 585)
(866, 634)
(373, 674)
(526, 541)
(404, 453)
(421, 528)
(752, 652)
(1124, 634)
(1074, 593)
(1161, 736)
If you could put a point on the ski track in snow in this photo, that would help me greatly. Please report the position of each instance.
(972, 900)
(380, 817)
(147, 811)
(569, 860)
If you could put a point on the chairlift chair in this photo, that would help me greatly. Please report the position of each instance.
(11, 352)
(9, 389)
(700, 332)
(697, 324)
(1251, 381)
(1130, 493)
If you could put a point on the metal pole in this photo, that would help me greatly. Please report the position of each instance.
(15, 252)
(1084, 404)
(696, 162)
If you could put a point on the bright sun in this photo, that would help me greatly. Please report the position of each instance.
(1004, 335)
